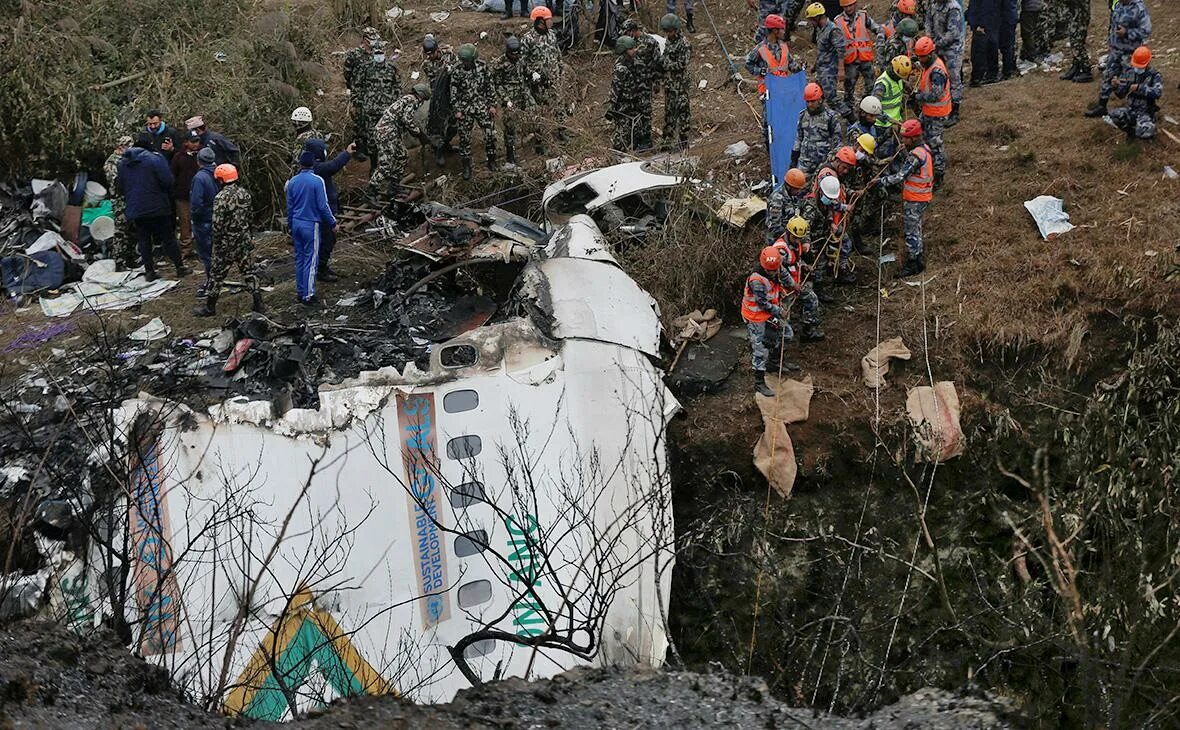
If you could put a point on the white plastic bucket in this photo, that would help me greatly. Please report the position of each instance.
(95, 194)
(102, 228)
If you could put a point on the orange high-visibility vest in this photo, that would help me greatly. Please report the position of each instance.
(942, 107)
(837, 216)
(790, 261)
(919, 187)
(751, 312)
(858, 44)
(888, 30)
(774, 66)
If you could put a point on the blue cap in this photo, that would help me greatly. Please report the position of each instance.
(307, 158)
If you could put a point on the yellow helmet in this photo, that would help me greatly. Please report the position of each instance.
(902, 66)
(814, 10)
(867, 142)
(797, 227)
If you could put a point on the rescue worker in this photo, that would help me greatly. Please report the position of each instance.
(829, 50)
(301, 120)
(121, 247)
(308, 209)
(793, 245)
(934, 100)
(355, 62)
(771, 57)
(688, 12)
(767, 8)
(399, 119)
(647, 54)
(1077, 17)
(437, 61)
(630, 99)
(1142, 86)
(1130, 27)
(543, 59)
(232, 243)
(200, 201)
(902, 42)
(945, 26)
(766, 322)
(789, 200)
(674, 66)
(890, 90)
(916, 177)
(381, 85)
(473, 102)
(513, 95)
(818, 131)
(859, 31)
(903, 10)
(866, 122)
(831, 186)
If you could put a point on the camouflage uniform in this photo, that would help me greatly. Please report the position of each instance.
(817, 136)
(829, 52)
(1076, 14)
(944, 23)
(1132, 15)
(1137, 118)
(472, 96)
(630, 104)
(434, 68)
(121, 247)
(765, 339)
(398, 120)
(543, 58)
(354, 64)
(677, 87)
(794, 278)
(232, 244)
(770, 7)
(510, 79)
(934, 127)
(783, 205)
(858, 70)
(647, 54)
(381, 86)
(912, 211)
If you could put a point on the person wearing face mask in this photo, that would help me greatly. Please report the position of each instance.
(916, 177)
(355, 62)
(381, 86)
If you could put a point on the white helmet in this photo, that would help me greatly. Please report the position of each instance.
(303, 115)
(871, 105)
(830, 187)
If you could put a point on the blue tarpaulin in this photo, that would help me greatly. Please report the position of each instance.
(784, 102)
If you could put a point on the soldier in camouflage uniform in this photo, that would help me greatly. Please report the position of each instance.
(794, 244)
(232, 244)
(1142, 86)
(1130, 27)
(1076, 14)
(677, 84)
(818, 133)
(789, 200)
(647, 56)
(381, 85)
(543, 59)
(397, 121)
(513, 94)
(829, 50)
(355, 62)
(121, 247)
(945, 25)
(473, 102)
(630, 99)
(770, 7)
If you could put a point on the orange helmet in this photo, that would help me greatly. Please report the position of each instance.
(225, 172)
(541, 12)
(770, 258)
(846, 3)
(911, 128)
(907, 7)
(1141, 57)
(924, 46)
(774, 22)
(847, 155)
(813, 92)
(796, 178)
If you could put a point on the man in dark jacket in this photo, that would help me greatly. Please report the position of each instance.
(986, 19)
(204, 189)
(165, 139)
(327, 169)
(1008, 38)
(145, 182)
(225, 150)
(184, 166)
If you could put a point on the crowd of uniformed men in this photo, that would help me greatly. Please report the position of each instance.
(854, 151)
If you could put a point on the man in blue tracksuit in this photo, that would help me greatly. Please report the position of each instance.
(307, 209)
(200, 198)
(327, 170)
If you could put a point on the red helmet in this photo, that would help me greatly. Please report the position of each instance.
(911, 128)
(796, 178)
(813, 92)
(541, 12)
(924, 46)
(907, 7)
(847, 155)
(770, 258)
(1141, 58)
(774, 22)
(225, 172)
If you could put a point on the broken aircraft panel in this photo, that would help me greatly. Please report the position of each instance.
(609, 194)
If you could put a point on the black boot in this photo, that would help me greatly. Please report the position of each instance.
(510, 154)
(688, 23)
(325, 273)
(1071, 72)
(181, 270)
(760, 386)
(258, 306)
(812, 334)
(1098, 109)
(149, 273)
(492, 162)
(507, 12)
(1083, 76)
(208, 309)
(914, 265)
(467, 174)
(953, 119)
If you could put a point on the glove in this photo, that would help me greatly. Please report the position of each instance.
(776, 323)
